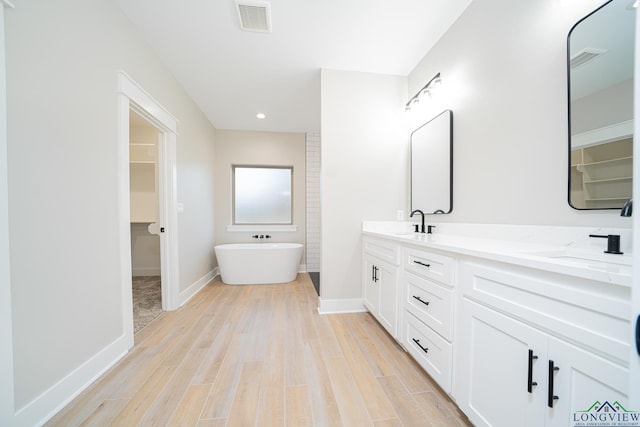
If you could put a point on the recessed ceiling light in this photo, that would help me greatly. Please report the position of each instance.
(260, 115)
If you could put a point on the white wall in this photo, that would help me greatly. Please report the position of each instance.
(610, 106)
(196, 192)
(365, 169)
(62, 59)
(6, 334)
(503, 65)
(235, 147)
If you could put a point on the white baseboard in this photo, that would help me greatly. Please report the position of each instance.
(332, 306)
(151, 271)
(49, 403)
(188, 293)
(302, 268)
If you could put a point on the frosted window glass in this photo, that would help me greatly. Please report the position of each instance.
(262, 195)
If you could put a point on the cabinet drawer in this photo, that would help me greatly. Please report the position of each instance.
(386, 251)
(584, 312)
(429, 265)
(431, 303)
(430, 350)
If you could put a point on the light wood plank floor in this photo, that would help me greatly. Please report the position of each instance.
(262, 356)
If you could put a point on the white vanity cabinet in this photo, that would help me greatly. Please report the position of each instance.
(535, 349)
(380, 281)
(428, 311)
(514, 336)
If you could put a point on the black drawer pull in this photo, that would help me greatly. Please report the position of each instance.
(530, 382)
(425, 349)
(421, 263)
(550, 396)
(638, 335)
(421, 300)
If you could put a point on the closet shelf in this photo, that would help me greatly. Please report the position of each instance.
(609, 180)
(602, 174)
(608, 199)
(608, 161)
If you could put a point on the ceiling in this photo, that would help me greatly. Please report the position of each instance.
(593, 32)
(234, 74)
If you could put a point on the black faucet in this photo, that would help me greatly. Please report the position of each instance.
(627, 209)
(421, 213)
(613, 243)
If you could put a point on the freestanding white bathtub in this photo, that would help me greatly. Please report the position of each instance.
(258, 263)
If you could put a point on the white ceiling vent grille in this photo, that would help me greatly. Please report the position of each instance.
(255, 15)
(584, 56)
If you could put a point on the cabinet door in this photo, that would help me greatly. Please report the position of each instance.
(388, 304)
(371, 286)
(584, 385)
(492, 360)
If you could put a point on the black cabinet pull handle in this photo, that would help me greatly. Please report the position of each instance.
(425, 349)
(530, 382)
(638, 335)
(421, 300)
(375, 273)
(550, 396)
(421, 263)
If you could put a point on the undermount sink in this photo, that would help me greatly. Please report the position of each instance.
(585, 257)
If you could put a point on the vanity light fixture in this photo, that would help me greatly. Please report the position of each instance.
(426, 91)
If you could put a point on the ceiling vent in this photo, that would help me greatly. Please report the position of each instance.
(584, 56)
(255, 15)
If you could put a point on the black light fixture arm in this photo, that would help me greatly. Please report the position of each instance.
(414, 97)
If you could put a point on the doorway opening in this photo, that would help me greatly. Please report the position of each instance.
(144, 208)
(149, 215)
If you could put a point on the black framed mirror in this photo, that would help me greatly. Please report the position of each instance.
(432, 165)
(600, 57)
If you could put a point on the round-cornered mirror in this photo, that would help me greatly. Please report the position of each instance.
(432, 165)
(600, 80)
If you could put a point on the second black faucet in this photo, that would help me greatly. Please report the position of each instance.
(422, 230)
(422, 214)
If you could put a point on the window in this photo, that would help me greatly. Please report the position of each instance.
(262, 194)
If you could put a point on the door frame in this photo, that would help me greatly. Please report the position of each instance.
(131, 96)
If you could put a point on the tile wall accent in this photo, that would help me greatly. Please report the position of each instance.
(313, 200)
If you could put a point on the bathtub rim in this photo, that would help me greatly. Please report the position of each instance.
(259, 245)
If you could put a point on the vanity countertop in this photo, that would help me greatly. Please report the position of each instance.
(567, 256)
